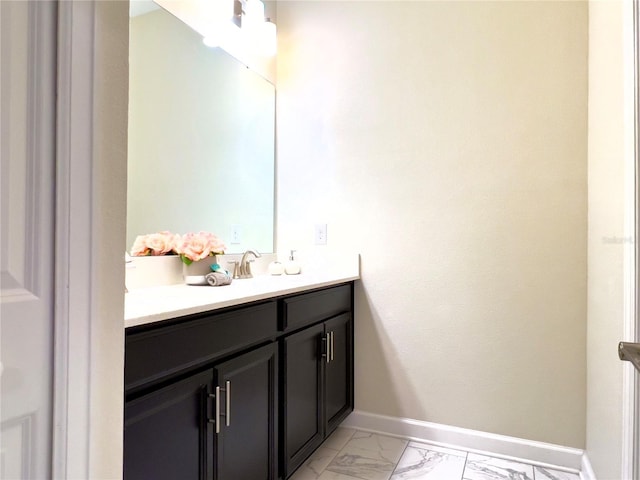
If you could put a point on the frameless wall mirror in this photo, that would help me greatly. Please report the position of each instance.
(201, 138)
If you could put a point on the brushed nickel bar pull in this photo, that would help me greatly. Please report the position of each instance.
(217, 409)
(216, 418)
(325, 353)
(331, 337)
(630, 352)
(228, 403)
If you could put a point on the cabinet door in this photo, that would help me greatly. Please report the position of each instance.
(246, 442)
(166, 433)
(338, 371)
(302, 419)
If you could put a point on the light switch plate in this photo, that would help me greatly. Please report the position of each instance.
(235, 234)
(321, 234)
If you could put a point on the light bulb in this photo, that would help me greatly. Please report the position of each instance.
(253, 14)
(222, 35)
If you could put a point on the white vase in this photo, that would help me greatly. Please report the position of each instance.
(194, 273)
(154, 271)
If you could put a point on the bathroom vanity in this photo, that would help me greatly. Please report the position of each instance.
(241, 382)
(242, 388)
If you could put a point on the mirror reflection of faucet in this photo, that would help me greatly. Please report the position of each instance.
(242, 269)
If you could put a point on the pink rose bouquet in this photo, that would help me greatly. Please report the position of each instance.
(162, 243)
(196, 246)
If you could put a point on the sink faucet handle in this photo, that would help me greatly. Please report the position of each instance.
(236, 268)
(247, 268)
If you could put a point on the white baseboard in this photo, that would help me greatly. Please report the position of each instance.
(533, 452)
(586, 472)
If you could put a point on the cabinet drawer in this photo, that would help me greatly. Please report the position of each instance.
(309, 308)
(157, 353)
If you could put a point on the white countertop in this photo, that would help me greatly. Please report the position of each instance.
(152, 304)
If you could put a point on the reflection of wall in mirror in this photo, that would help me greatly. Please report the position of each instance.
(201, 138)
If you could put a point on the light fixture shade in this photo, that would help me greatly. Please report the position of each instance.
(253, 14)
(269, 41)
(221, 10)
(211, 41)
(217, 14)
(256, 36)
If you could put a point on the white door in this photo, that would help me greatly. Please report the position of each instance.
(27, 209)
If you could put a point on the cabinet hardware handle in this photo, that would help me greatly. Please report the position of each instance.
(227, 415)
(328, 344)
(326, 351)
(227, 412)
(331, 337)
(216, 418)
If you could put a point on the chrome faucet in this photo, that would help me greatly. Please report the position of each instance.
(243, 269)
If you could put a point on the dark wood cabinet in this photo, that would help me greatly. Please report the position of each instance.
(303, 428)
(246, 445)
(318, 386)
(244, 393)
(220, 424)
(166, 432)
(156, 352)
(338, 397)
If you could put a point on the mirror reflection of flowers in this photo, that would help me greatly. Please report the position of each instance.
(196, 246)
(162, 243)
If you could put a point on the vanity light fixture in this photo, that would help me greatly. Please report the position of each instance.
(248, 29)
(222, 35)
(218, 16)
(250, 14)
(269, 43)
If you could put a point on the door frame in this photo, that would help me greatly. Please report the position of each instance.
(91, 162)
(631, 321)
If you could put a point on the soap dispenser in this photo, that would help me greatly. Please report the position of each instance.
(292, 267)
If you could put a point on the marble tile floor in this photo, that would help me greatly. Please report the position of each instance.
(351, 454)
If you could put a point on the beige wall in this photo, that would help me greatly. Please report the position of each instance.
(109, 196)
(446, 142)
(609, 166)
